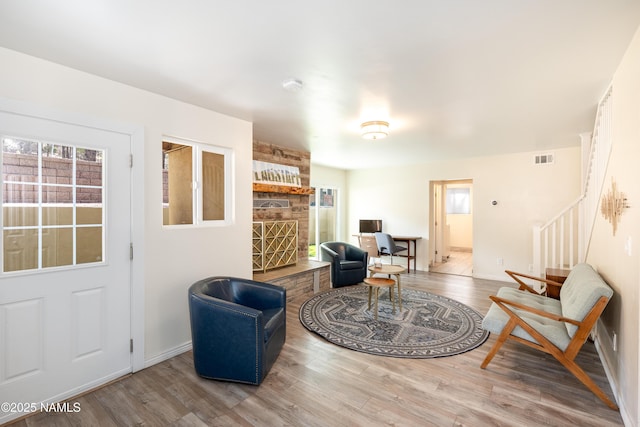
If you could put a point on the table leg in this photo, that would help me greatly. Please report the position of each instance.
(393, 301)
(399, 292)
(415, 254)
(376, 303)
(369, 298)
(415, 258)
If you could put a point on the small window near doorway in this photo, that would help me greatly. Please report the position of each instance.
(196, 182)
(458, 201)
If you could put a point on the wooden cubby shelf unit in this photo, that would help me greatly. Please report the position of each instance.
(275, 244)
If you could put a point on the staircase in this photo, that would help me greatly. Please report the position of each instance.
(563, 241)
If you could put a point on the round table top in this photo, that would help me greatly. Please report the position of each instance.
(387, 269)
(379, 281)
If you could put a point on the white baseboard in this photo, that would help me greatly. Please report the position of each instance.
(600, 340)
(460, 249)
(168, 354)
(500, 278)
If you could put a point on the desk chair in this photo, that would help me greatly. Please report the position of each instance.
(369, 245)
(387, 246)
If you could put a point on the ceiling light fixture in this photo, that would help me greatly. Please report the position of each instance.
(292, 85)
(376, 129)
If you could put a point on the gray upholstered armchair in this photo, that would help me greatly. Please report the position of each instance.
(348, 262)
(557, 327)
(238, 327)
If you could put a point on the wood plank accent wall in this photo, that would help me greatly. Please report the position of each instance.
(298, 203)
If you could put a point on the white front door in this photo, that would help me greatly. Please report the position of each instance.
(65, 279)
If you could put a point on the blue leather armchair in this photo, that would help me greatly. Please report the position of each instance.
(348, 262)
(238, 327)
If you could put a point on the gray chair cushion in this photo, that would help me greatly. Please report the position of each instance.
(496, 319)
(580, 292)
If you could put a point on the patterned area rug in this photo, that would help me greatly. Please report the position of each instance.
(429, 325)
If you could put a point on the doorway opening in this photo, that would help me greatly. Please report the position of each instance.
(451, 227)
(323, 219)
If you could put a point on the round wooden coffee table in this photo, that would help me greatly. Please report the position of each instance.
(377, 283)
(390, 269)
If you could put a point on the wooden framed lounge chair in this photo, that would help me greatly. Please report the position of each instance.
(557, 327)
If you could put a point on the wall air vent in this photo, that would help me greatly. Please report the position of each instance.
(543, 159)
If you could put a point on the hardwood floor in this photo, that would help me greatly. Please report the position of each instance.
(458, 262)
(315, 383)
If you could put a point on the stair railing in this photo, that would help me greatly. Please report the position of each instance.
(564, 240)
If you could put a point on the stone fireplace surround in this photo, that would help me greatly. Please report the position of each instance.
(306, 275)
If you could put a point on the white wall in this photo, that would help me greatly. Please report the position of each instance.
(173, 259)
(461, 226)
(526, 194)
(608, 253)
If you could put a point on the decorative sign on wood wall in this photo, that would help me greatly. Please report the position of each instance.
(612, 205)
(272, 173)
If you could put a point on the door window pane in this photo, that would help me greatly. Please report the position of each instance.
(57, 215)
(88, 214)
(48, 189)
(57, 247)
(18, 209)
(20, 249)
(89, 241)
(57, 194)
(16, 192)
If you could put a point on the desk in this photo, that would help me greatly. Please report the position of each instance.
(408, 240)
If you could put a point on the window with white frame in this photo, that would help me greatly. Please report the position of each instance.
(196, 183)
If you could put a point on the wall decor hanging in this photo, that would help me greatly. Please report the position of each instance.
(613, 204)
(273, 173)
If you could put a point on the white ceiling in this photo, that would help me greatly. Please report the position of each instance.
(455, 78)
